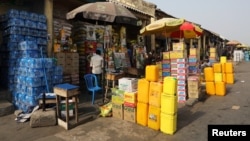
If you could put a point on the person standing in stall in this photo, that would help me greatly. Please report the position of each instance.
(96, 64)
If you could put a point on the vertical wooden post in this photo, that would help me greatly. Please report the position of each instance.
(152, 37)
(48, 12)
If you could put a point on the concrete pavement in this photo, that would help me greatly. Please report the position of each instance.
(191, 121)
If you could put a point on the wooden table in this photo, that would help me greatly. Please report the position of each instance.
(111, 77)
(66, 91)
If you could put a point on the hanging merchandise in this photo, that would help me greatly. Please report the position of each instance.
(123, 36)
(91, 35)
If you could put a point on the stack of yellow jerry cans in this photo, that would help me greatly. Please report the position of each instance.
(228, 70)
(149, 92)
(169, 106)
(217, 77)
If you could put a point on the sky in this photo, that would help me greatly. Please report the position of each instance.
(228, 18)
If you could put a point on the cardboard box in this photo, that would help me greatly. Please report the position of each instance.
(130, 98)
(117, 99)
(60, 55)
(128, 84)
(194, 93)
(179, 46)
(178, 54)
(130, 114)
(117, 111)
(166, 55)
(193, 51)
(63, 108)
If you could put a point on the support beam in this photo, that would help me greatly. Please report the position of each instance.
(48, 11)
(152, 37)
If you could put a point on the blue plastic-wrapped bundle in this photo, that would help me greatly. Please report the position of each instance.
(24, 31)
(11, 71)
(33, 32)
(33, 72)
(41, 26)
(12, 13)
(23, 62)
(49, 63)
(34, 63)
(11, 63)
(41, 41)
(12, 46)
(18, 88)
(42, 33)
(30, 38)
(27, 45)
(21, 79)
(57, 79)
(30, 54)
(23, 88)
(13, 38)
(23, 71)
(33, 16)
(24, 15)
(42, 18)
(58, 70)
(30, 24)
(30, 100)
(14, 22)
(49, 80)
(13, 54)
(33, 81)
(12, 30)
(35, 91)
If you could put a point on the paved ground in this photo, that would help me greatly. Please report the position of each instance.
(191, 121)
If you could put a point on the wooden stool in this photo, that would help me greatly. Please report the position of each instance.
(111, 77)
(66, 91)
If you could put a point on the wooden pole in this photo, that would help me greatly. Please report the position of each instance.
(48, 12)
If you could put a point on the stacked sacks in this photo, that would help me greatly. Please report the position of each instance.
(169, 106)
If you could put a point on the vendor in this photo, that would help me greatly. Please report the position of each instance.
(205, 64)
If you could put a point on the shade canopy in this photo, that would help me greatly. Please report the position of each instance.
(104, 11)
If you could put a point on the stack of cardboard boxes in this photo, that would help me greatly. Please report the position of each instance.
(70, 64)
(179, 69)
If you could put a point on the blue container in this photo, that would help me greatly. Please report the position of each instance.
(41, 26)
